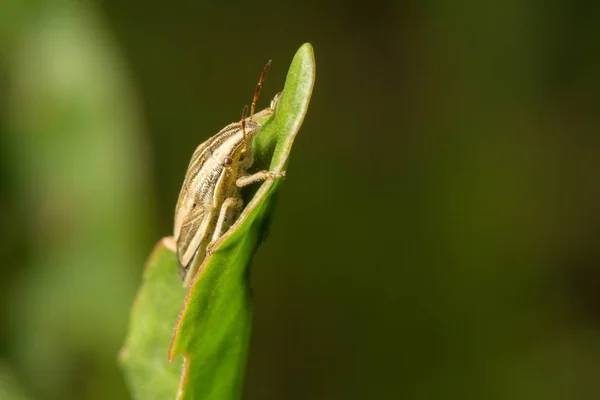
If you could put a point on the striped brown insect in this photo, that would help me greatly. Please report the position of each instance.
(210, 199)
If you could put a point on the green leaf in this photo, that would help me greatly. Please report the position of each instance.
(213, 329)
(154, 313)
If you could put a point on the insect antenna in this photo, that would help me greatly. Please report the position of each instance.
(258, 87)
(244, 112)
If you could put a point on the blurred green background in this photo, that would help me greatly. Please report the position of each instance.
(438, 233)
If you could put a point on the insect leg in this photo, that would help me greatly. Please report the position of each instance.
(259, 176)
(230, 202)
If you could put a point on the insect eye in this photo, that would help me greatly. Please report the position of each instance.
(227, 161)
(194, 205)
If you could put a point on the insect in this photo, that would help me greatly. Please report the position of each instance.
(210, 199)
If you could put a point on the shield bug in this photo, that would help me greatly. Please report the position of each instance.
(210, 199)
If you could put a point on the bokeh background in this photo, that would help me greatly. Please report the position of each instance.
(438, 233)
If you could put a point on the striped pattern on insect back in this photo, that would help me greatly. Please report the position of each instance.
(203, 172)
(189, 240)
(206, 149)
